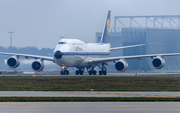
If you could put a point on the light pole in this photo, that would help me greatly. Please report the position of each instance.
(11, 39)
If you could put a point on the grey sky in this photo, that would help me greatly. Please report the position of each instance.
(40, 23)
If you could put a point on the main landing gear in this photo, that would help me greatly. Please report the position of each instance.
(80, 71)
(92, 71)
(103, 70)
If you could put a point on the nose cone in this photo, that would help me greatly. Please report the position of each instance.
(58, 54)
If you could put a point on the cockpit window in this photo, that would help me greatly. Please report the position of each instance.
(62, 43)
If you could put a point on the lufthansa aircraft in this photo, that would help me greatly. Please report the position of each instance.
(82, 55)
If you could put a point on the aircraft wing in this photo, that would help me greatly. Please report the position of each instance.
(29, 56)
(123, 47)
(111, 59)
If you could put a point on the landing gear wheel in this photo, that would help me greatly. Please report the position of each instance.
(77, 72)
(62, 73)
(90, 72)
(81, 72)
(104, 72)
(100, 72)
(66, 72)
(94, 72)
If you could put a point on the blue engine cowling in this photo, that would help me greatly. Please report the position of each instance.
(121, 65)
(13, 62)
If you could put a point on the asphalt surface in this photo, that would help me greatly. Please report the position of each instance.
(89, 107)
(86, 94)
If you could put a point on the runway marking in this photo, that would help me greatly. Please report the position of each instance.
(102, 93)
(122, 106)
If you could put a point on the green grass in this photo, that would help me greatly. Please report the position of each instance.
(85, 83)
(84, 99)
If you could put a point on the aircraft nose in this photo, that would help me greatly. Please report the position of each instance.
(58, 54)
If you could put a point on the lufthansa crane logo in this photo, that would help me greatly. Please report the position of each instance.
(108, 26)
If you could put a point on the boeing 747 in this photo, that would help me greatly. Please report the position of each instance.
(76, 53)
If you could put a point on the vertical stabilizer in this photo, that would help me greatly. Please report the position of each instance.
(105, 34)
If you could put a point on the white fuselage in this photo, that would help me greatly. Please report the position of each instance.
(76, 53)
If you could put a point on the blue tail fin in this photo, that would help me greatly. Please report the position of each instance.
(105, 34)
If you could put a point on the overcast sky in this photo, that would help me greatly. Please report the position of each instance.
(40, 23)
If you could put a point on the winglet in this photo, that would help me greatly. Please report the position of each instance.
(105, 34)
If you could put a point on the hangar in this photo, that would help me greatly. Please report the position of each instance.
(161, 34)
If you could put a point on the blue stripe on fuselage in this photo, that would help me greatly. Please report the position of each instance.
(85, 53)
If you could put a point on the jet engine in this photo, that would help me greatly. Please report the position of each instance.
(13, 62)
(121, 65)
(158, 62)
(37, 65)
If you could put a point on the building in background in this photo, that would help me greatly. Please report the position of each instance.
(161, 34)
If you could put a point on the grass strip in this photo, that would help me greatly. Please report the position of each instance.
(84, 99)
(85, 83)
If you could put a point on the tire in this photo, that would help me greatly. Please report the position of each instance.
(100, 72)
(81, 72)
(77, 72)
(66, 72)
(90, 72)
(62, 73)
(94, 72)
(104, 72)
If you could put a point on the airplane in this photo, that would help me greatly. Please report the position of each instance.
(76, 53)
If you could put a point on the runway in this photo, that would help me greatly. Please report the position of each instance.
(131, 74)
(87, 94)
(90, 107)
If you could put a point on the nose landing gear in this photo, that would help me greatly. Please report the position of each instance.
(64, 71)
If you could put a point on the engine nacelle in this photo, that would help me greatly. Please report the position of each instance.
(37, 65)
(158, 62)
(13, 62)
(121, 65)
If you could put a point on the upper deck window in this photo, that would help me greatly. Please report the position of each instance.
(62, 43)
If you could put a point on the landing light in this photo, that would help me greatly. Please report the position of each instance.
(90, 60)
(63, 67)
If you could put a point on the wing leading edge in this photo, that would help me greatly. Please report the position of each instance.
(123, 47)
(111, 59)
(29, 56)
